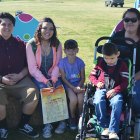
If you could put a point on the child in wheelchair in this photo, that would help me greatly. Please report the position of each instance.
(110, 76)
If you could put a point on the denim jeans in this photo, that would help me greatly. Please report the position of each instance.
(136, 98)
(42, 85)
(101, 110)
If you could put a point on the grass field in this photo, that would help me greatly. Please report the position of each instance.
(83, 20)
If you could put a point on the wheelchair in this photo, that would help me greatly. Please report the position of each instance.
(88, 106)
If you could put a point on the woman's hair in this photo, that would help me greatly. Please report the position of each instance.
(109, 49)
(38, 37)
(135, 11)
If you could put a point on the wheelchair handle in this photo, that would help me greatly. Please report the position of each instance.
(115, 39)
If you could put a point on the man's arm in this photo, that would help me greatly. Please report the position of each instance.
(23, 73)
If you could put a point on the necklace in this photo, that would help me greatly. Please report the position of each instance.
(45, 53)
(45, 50)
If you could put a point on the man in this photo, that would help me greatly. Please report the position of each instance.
(14, 79)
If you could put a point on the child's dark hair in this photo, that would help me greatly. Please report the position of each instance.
(8, 16)
(70, 44)
(109, 49)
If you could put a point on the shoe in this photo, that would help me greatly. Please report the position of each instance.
(105, 132)
(28, 131)
(47, 131)
(113, 136)
(3, 134)
(80, 123)
(73, 125)
(61, 128)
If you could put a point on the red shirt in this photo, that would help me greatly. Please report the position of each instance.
(121, 77)
(12, 55)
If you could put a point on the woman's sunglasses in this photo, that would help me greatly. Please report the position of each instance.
(133, 20)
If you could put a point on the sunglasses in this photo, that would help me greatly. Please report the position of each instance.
(133, 20)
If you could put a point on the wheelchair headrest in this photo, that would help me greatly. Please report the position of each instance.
(124, 51)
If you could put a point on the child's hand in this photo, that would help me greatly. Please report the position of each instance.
(100, 85)
(78, 90)
(110, 93)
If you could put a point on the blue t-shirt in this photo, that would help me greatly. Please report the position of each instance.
(73, 70)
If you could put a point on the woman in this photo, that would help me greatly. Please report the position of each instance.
(131, 21)
(43, 54)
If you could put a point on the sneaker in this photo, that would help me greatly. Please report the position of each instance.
(3, 134)
(28, 131)
(105, 132)
(47, 131)
(113, 136)
(61, 128)
(73, 125)
(80, 123)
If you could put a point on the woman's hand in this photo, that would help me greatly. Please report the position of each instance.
(54, 79)
(49, 84)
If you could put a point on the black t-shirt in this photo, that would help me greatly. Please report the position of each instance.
(127, 50)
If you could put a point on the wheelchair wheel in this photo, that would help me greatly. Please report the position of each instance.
(137, 129)
(126, 134)
(77, 137)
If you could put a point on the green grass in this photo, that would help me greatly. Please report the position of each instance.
(68, 135)
(83, 20)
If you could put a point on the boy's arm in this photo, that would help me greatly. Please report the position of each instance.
(137, 76)
(96, 76)
(63, 75)
(124, 79)
(82, 75)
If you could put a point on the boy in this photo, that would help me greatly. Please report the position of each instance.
(14, 79)
(110, 76)
(72, 70)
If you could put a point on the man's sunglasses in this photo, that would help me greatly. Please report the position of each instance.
(133, 20)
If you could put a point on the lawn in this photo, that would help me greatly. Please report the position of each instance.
(68, 135)
(82, 20)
